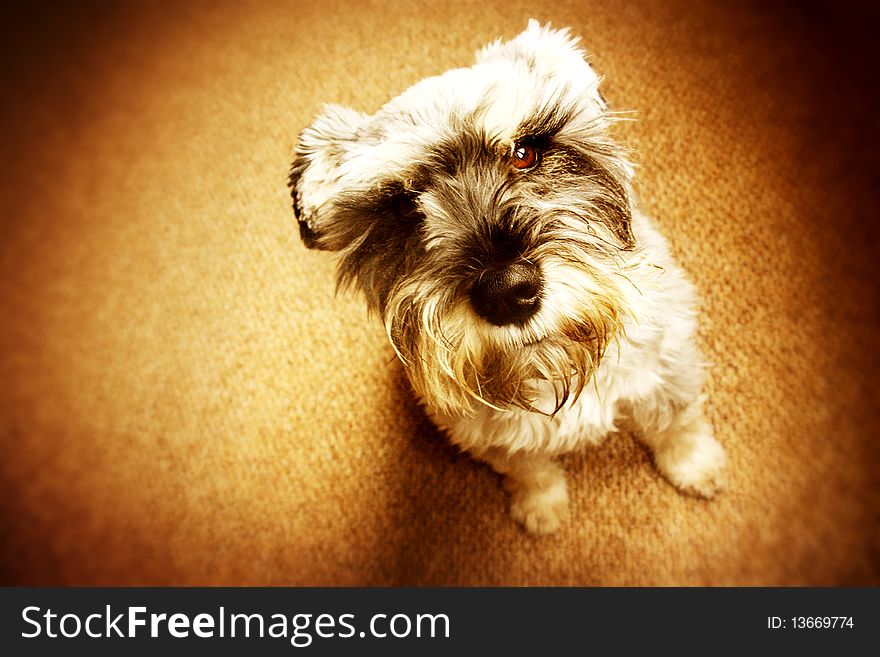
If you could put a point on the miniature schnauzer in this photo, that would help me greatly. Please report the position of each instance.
(489, 218)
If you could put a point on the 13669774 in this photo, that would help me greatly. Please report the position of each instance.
(810, 623)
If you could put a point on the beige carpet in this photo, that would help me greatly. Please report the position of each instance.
(185, 402)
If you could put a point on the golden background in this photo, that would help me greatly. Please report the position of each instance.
(185, 402)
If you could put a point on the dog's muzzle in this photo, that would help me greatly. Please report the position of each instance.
(509, 294)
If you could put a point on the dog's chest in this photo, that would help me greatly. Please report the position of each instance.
(629, 372)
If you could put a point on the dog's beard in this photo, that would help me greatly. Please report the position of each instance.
(458, 363)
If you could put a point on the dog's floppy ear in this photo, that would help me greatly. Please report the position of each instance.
(318, 173)
(551, 54)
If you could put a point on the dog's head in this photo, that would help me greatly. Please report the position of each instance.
(486, 215)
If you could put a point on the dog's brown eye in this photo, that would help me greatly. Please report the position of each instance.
(524, 156)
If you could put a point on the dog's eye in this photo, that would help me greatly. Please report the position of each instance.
(407, 208)
(524, 157)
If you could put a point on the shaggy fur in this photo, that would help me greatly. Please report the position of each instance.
(424, 201)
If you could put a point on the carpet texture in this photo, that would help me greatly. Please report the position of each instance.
(184, 401)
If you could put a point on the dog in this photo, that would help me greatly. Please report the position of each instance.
(488, 217)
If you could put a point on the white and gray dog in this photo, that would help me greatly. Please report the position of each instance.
(488, 216)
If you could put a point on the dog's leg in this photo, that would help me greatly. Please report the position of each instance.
(685, 451)
(539, 495)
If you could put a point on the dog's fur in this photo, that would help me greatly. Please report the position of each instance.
(422, 199)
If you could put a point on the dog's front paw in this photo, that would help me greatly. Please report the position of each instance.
(694, 463)
(540, 509)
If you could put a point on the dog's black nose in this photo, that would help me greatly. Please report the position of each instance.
(510, 294)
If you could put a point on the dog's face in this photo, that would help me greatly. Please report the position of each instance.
(486, 215)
